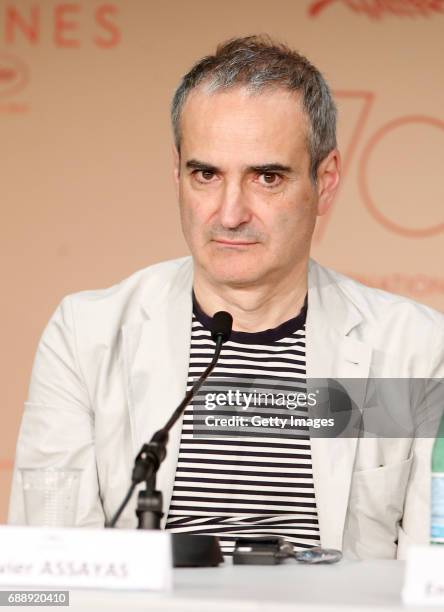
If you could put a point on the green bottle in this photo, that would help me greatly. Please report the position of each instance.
(437, 493)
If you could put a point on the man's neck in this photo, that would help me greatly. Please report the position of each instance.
(258, 307)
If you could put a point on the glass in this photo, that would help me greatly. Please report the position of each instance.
(50, 496)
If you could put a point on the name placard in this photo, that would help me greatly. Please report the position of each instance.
(85, 558)
(424, 577)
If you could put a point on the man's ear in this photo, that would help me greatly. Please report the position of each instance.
(328, 175)
(176, 167)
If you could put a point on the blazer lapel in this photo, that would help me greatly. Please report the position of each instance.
(156, 356)
(332, 353)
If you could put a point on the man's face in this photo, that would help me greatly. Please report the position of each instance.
(248, 205)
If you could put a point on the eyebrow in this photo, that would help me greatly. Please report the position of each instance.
(270, 168)
(195, 164)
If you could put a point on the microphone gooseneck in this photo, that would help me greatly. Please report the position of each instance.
(152, 454)
(221, 325)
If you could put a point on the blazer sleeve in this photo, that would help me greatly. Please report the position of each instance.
(415, 525)
(57, 427)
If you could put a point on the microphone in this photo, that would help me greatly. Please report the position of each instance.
(221, 325)
(152, 454)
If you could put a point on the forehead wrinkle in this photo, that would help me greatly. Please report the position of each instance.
(237, 101)
(234, 127)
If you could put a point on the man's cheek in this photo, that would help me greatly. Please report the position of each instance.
(193, 227)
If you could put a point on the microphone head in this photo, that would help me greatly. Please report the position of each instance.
(221, 325)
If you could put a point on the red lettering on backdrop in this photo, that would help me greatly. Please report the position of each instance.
(376, 9)
(62, 25)
(67, 24)
(14, 20)
(102, 19)
(397, 228)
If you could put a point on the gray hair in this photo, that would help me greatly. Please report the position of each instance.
(258, 63)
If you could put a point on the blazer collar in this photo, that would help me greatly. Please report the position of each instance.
(325, 297)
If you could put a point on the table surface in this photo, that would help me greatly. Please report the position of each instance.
(348, 585)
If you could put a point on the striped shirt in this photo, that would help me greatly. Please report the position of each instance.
(254, 476)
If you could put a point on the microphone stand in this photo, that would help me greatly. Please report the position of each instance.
(151, 455)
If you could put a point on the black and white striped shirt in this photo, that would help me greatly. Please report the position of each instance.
(246, 480)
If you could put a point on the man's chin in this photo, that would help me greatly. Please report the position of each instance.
(228, 273)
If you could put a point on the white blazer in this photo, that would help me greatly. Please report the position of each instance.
(112, 365)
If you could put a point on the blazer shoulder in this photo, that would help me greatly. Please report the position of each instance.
(382, 306)
(122, 301)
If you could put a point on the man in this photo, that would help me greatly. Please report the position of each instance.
(255, 163)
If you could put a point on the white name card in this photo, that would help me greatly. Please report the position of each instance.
(424, 577)
(85, 558)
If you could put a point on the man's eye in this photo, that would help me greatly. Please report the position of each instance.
(269, 178)
(204, 175)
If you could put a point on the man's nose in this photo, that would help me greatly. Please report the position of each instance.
(233, 206)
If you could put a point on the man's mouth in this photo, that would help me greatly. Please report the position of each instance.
(234, 243)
